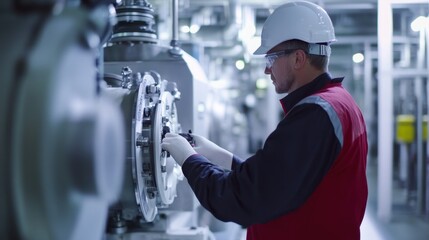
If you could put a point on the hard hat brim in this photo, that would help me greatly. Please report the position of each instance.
(261, 50)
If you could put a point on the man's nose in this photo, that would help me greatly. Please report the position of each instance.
(267, 70)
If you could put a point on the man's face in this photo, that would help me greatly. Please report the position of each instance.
(280, 67)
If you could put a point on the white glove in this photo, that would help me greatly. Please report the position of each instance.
(178, 147)
(213, 152)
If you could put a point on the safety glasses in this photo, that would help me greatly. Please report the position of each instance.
(272, 57)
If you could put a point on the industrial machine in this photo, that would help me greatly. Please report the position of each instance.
(156, 87)
(61, 146)
(148, 106)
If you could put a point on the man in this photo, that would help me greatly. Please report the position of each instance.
(308, 181)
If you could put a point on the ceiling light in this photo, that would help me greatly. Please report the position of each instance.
(358, 57)
(239, 64)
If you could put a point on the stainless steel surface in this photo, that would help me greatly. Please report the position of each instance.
(148, 57)
(162, 184)
(135, 22)
(148, 106)
(174, 43)
(61, 159)
(184, 70)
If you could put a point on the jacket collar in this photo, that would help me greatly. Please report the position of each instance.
(312, 87)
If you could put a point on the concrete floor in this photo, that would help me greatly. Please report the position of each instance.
(405, 223)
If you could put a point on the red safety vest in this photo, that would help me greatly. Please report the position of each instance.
(336, 208)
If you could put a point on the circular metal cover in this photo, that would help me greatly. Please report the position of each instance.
(142, 171)
(167, 171)
(63, 180)
(150, 111)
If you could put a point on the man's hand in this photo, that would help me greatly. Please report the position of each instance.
(213, 152)
(178, 147)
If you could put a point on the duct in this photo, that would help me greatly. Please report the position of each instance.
(244, 35)
(224, 52)
(224, 32)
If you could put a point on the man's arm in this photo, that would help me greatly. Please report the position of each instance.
(274, 181)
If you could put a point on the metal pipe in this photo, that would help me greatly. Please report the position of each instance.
(368, 95)
(175, 20)
(426, 164)
(175, 45)
(421, 166)
(385, 114)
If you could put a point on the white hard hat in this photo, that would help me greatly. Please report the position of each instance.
(300, 20)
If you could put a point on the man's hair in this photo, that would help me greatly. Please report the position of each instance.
(318, 61)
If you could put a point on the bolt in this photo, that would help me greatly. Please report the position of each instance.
(142, 141)
(146, 112)
(165, 120)
(151, 192)
(150, 89)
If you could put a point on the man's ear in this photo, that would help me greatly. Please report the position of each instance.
(300, 59)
